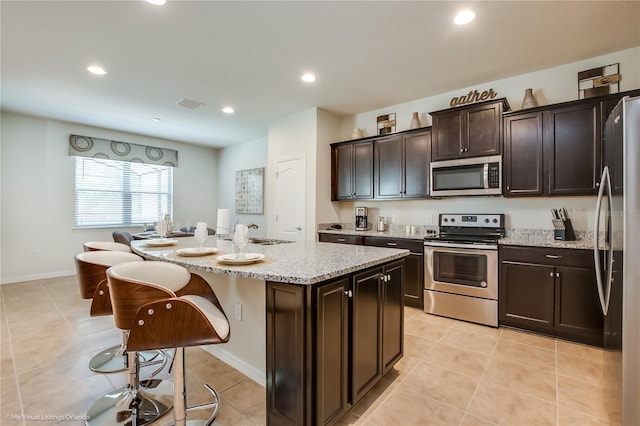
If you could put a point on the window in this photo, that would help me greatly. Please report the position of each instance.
(112, 193)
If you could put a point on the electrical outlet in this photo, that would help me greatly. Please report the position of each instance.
(238, 312)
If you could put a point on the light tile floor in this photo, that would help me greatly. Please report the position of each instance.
(453, 372)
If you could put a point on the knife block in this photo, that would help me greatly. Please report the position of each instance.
(563, 230)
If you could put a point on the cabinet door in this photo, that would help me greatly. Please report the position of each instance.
(578, 314)
(332, 350)
(417, 148)
(613, 148)
(572, 143)
(342, 172)
(526, 295)
(389, 168)
(363, 170)
(366, 342)
(483, 130)
(392, 316)
(414, 280)
(447, 135)
(523, 154)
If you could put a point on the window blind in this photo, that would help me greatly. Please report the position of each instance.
(111, 193)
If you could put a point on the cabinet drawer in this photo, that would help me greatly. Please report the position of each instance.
(415, 246)
(580, 258)
(337, 238)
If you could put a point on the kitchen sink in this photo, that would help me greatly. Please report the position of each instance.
(265, 241)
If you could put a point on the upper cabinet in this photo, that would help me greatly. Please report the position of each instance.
(389, 167)
(557, 149)
(352, 170)
(401, 165)
(468, 131)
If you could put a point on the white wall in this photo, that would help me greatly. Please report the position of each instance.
(553, 85)
(244, 156)
(290, 137)
(38, 239)
(327, 133)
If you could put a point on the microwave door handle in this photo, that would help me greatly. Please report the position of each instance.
(485, 175)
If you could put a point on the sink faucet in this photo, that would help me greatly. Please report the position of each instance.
(252, 226)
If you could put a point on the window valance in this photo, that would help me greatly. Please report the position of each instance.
(85, 146)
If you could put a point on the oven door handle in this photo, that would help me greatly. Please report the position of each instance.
(461, 247)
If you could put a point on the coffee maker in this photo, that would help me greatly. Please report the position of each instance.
(361, 219)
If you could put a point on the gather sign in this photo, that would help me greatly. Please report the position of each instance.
(473, 96)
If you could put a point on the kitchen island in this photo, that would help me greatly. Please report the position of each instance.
(318, 323)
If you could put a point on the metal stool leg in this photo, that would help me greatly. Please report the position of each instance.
(180, 408)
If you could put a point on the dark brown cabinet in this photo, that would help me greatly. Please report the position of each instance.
(401, 165)
(332, 349)
(551, 291)
(414, 266)
(572, 144)
(468, 131)
(377, 328)
(329, 343)
(339, 238)
(352, 170)
(559, 149)
(523, 168)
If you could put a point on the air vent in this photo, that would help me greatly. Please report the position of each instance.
(189, 103)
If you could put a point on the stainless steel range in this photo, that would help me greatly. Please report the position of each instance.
(461, 267)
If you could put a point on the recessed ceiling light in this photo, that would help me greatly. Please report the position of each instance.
(157, 2)
(464, 17)
(95, 69)
(308, 77)
(228, 110)
(156, 119)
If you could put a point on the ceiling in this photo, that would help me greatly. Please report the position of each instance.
(250, 55)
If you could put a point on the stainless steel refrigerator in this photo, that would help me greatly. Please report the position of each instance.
(617, 257)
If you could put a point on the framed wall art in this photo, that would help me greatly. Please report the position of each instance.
(249, 191)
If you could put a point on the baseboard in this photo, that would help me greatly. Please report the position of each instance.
(248, 370)
(34, 277)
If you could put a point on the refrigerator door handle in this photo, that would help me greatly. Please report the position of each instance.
(596, 240)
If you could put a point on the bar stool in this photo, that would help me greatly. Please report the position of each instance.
(91, 271)
(165, 306)
(106, 245)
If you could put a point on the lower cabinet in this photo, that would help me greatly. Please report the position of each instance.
(551, 291)
(329, 344)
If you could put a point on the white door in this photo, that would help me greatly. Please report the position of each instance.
(290, 199)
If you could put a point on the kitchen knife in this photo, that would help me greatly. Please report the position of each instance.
(565, 214)
(554, 214)
(561, 214)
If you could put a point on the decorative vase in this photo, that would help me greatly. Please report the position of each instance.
(357, 134)
(415, 121)
(529, 100)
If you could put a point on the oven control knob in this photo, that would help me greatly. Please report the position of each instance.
(446, 220)
(453, 220)
(495, 220)
(483, 284)
(486, 221)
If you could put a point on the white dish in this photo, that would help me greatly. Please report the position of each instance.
(232, 259)
(161, 242)
(196, 251)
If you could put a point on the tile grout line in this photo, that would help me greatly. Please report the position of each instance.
(484, 370)
(13, 358)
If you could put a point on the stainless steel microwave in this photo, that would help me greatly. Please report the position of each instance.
(467, 176)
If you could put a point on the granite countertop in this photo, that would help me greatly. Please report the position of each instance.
(516, 237)
(304, 263)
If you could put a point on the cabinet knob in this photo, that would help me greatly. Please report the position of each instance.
(597, 184)
(551, 274)
(461, 150)
(388, 277)
(348, 293)
(557, 274)
(509, 188)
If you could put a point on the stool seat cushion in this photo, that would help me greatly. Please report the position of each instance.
(108, 258)
(153, 273)
(106, 245)
(212, 313)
